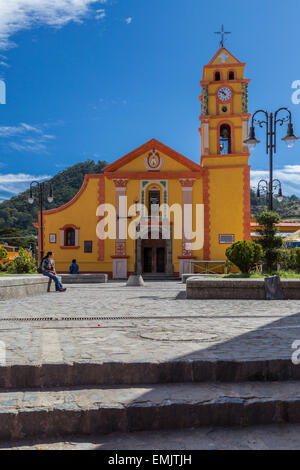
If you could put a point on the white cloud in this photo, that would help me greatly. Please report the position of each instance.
(128, 20)
(100, 14)
(12, 184)
(25, 137)
(289, 177)
(17, 15)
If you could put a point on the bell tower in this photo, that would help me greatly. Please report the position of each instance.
(224, 156)
(224, 107)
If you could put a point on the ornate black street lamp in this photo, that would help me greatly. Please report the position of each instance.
(271, 122)
(263, 186)
(41, 188)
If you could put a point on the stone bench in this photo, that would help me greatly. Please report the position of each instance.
(25, 285)
(237, 288)
(84, 278)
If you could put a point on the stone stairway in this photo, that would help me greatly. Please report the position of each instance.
(84, 399)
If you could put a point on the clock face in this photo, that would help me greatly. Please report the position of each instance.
(224, 94)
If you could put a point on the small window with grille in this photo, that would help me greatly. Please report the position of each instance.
(226, 239)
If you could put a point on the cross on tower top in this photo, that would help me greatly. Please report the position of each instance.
(222, 34)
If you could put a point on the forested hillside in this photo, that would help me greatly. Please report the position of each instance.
(17, 212)
(288, 209)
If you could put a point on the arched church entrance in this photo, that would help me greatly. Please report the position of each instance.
(154, 252)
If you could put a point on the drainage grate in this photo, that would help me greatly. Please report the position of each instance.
(36, 319)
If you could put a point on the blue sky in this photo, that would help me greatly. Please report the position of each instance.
(95, 79)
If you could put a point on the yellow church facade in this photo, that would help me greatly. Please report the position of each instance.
(154, 210)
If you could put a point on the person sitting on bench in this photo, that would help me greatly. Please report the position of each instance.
(74, 268)
(48, 269)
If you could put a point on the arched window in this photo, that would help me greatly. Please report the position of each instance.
(70, 237)
(231, 75)
(225, 139)
(154, 201)
(217, 76)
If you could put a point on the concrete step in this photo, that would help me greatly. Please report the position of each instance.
(159, 277)
(264, 437)
(133, 373)
(103, 410)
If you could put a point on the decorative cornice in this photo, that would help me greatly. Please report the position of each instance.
(120, 182)
(224, 82)
(150, 175)
(187, 182)
(221, 116)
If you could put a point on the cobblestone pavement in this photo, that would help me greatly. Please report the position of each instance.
(272, 437)
(108, 322)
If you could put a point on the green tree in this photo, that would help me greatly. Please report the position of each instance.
(297, 258)
(245, 255)
(14, 237)
(269, 239)
(3, 253)
(24, 263)
(289, 208)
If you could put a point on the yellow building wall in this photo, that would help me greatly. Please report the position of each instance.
(82, 214)
(226, 196)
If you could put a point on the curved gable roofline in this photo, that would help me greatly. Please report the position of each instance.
(77, 195)
(153, 143)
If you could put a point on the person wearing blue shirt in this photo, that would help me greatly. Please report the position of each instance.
(74, 268)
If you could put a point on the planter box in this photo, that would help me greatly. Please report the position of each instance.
(237, 288)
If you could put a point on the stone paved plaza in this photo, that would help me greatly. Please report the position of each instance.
(111, 322)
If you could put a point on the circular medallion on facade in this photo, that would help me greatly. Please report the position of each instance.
(153, 161)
